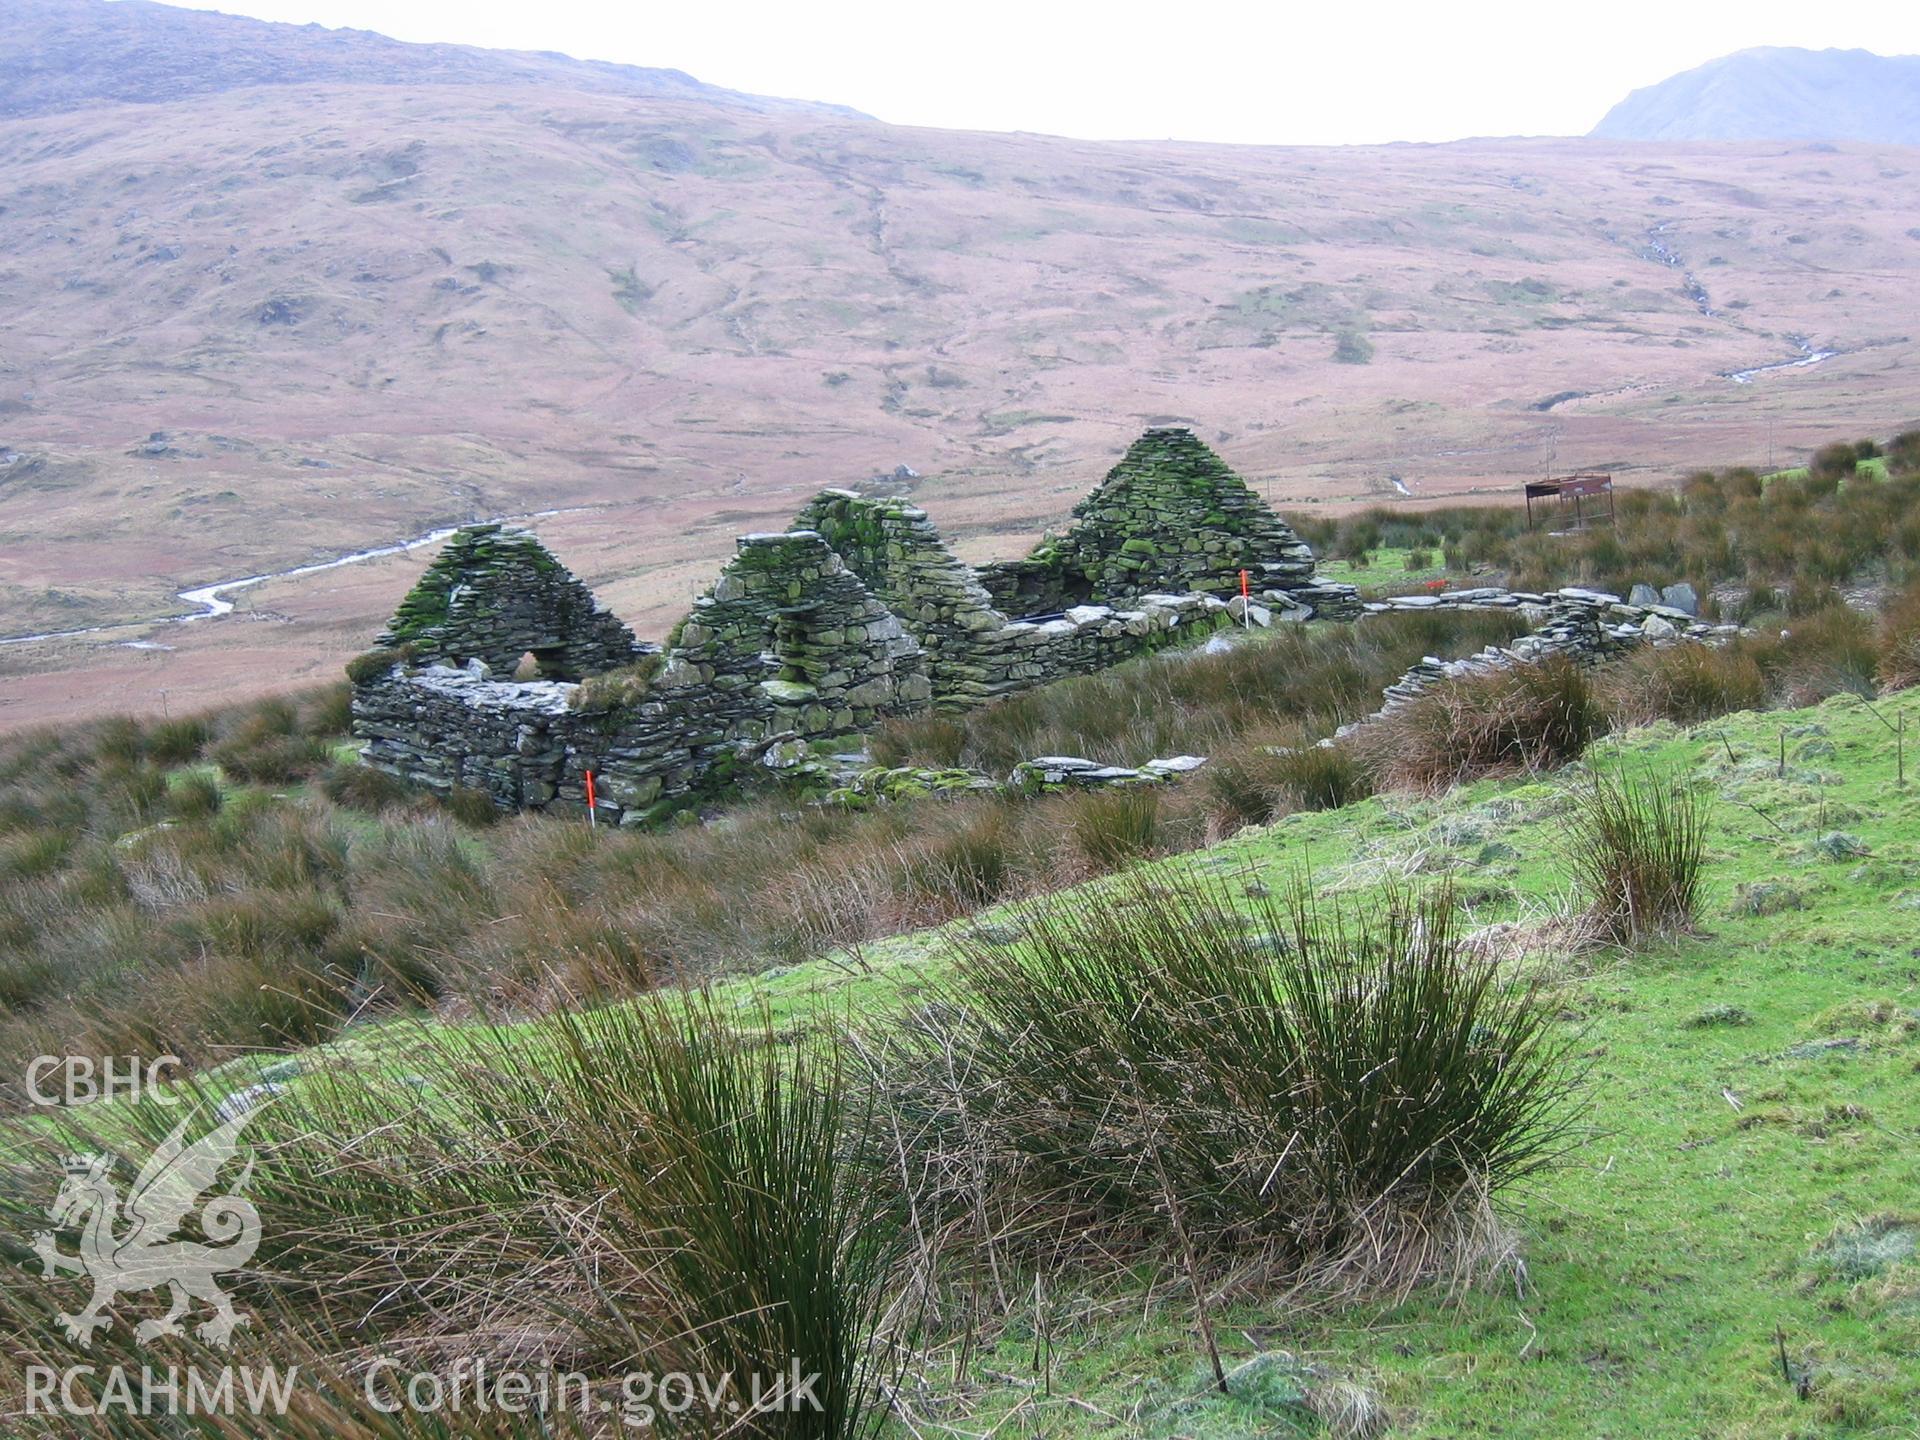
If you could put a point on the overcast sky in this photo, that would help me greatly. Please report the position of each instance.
(1333, 72)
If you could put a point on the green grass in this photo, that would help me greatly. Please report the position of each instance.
(1786, 539)
(1873, 469)
(1662, 1258)
(1681, 1233)
(1386, 571)
(1752, 1167)
(1746, 1199)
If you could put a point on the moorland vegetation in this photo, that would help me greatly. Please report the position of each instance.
(1252, 1103)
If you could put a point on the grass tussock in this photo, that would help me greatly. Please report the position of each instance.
(1682, 683)
(1899, 639)
(648, 1186)
(1299, 1091)
(268, 746)
(1525, 717)
(1114, 827)
(353, 786)
(1829, 650)
(1320, 777)
(1829, 525)
(1195, 702)
(1254, 783)
(742, 1238)
(1637, 849)
(627, 685)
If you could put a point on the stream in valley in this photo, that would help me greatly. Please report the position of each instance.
(212, 601)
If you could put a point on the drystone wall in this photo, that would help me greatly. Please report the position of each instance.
(453, 728)
(898, 555)
(1586, 625)
(975, 653)
(1171, 517)
(710, 705)
(494, 594)
(857, 613)
(787, 647)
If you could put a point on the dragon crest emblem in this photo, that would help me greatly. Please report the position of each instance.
(146, 1255)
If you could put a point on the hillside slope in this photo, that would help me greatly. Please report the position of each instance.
(58, 55)
(1752, 1126)
(250, 329)
(1741, 1198)
(1778, 94)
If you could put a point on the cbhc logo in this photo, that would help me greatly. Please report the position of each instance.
(81, 1080)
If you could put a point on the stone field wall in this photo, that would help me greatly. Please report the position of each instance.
(857, 613)
(1585, 625)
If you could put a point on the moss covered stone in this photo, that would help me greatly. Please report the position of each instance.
(856, 613)
(494, 594)
(1171, 516)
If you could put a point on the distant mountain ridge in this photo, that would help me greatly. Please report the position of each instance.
(62, 55)
(1778, 93)
(323, 293)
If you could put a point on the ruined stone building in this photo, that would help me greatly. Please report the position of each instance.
(1170, 516)
(856, 613)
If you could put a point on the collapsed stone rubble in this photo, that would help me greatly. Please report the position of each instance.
(857, 613)
(860, 612)
(1588, 625)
